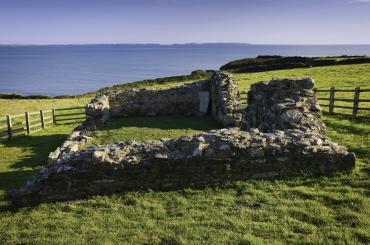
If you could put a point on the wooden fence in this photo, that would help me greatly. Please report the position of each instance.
(355, 102)
(69, 115)
(31, 122)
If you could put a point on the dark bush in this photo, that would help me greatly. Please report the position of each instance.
(276, 62)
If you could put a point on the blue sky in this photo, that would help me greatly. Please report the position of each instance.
(184, 21)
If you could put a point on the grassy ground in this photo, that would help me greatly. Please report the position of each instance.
(334, 209)
(345, 76)
(152, 128)
(18, 106)
(23, 157)
(305, 210)
(341, 77)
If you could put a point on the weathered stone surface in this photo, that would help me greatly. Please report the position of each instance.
(283, 104)
(204, 159)
(79, 137)
(183, 100)
(225, 99)
(98, 109)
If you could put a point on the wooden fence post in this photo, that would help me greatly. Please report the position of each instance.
(42, 119)
(355, 101)
(331, 103)
(53, 115)
(9, 123)
(28, 123)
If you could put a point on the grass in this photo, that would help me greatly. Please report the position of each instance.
(152, 128)
(304, 210)
(166, 85)
(341, 77)
(18, 106)
(308, 209)
(24, 156)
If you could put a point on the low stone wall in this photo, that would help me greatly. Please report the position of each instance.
(204, 159)
(183, 100)
(283, 104)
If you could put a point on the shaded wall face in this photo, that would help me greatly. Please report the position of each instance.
(283, 104)
(184, 100)
(220, 93)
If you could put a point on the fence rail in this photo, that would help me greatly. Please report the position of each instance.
(60, 115)
(355, 101)
(71, 108)
(31, 122)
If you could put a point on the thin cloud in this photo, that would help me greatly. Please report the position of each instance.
(360, 1)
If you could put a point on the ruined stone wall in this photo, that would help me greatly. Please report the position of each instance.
(218, 95)
(283, 104)
(282, 136)
(183, 100)
(201, 160)
(98, 110)
(77, 139)
(225, 99)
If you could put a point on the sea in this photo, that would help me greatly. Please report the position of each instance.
(76, 69)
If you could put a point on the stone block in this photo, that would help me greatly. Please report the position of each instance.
(203, 101)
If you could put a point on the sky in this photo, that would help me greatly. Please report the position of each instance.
(185, 21)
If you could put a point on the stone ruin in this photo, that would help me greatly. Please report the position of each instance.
(218, 95)
(279, 134)
(283, 104)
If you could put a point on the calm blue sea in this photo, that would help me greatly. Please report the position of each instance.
(74, 69)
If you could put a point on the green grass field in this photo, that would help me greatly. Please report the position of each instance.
(151, 128)
(340, 77)
(18, 106)
(303, 210)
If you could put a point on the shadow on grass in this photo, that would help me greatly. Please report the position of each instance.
(10, 180)
(162, 122)
(339, 116)
(355, 131)
(29, 152)
(38, 146)
(61, 123)
(13, 179)
(351, 128)
(240, 185)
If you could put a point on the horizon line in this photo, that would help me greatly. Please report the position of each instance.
(189, 43)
